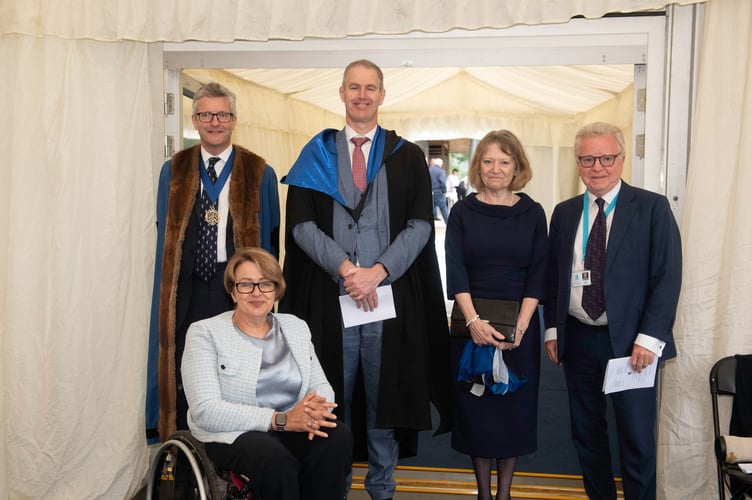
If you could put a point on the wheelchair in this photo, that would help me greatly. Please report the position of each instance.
(181, 470)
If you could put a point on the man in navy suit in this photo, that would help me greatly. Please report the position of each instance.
(638, 285)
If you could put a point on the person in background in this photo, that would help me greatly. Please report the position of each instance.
(359, 217)
(615, 266)
(212, 198)
(496, 249)
(453, 180)
(438, 188)
(257, 395)
(462, 189)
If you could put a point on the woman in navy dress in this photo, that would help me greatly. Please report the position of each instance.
(496, 248)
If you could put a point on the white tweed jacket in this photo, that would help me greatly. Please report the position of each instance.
(220, 370)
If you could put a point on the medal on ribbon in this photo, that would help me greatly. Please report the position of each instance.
(211, 216)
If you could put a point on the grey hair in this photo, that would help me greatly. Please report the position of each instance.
(214, 89)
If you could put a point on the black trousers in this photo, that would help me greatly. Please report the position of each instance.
(588, 351)
(207, 299)
(287, 466)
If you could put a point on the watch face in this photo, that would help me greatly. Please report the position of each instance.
(280, 420)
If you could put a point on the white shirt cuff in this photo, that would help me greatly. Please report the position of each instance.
(550, 334)
(650, 343)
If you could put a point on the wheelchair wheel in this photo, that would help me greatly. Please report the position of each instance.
(181, 470)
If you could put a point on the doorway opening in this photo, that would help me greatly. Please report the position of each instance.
(303, 76)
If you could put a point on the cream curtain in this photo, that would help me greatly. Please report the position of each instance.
(77, 216)
(77, 219)
(228, 20)
(714, 310)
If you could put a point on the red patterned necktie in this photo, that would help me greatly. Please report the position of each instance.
(359, 163)
(593, 300)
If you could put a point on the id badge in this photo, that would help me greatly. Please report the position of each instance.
(581, 278)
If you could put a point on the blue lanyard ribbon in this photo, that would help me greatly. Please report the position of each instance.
(586, 219)
(213, 189)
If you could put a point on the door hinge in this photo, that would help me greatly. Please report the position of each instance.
(169, 103)
(640, 145)
(640, 105)
(169, 148)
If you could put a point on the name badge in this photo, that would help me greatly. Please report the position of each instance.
(581, 278)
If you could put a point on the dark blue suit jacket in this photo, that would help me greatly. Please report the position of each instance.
(643, 269)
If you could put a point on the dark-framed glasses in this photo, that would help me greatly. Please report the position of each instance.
(222, 117)
(250, 286)
(588, 161)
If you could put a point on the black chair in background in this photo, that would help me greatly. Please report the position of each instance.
(723, 383)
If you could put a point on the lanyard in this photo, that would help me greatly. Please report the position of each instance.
(213, 189)
(586, 219)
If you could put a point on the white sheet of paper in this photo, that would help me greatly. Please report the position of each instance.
(353, 316)
(621, 377)
(746, 468)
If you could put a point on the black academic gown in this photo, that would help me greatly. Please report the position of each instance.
(415, 367)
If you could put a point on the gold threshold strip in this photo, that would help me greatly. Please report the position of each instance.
(461, 482)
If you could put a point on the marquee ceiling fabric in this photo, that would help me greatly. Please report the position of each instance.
(560, 91)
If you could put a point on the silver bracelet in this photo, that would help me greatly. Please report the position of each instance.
(475, 318)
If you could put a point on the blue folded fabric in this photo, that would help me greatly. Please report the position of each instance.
(477, 360)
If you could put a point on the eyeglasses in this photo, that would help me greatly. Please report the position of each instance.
(588, 161)
(249, 286)
(222, 117)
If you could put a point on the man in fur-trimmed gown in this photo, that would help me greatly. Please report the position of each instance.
(212, 198)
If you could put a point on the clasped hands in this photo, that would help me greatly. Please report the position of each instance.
(361, 283)
(312, 414)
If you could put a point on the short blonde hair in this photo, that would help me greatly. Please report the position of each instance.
(267, 264)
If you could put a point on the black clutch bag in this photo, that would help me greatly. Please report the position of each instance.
(500, 314)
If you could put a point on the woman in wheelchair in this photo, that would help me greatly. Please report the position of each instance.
(257, 395)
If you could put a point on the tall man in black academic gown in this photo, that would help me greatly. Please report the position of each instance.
(641, 280)
(345, 240)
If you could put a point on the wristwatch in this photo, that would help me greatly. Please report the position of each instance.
(280, 421)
